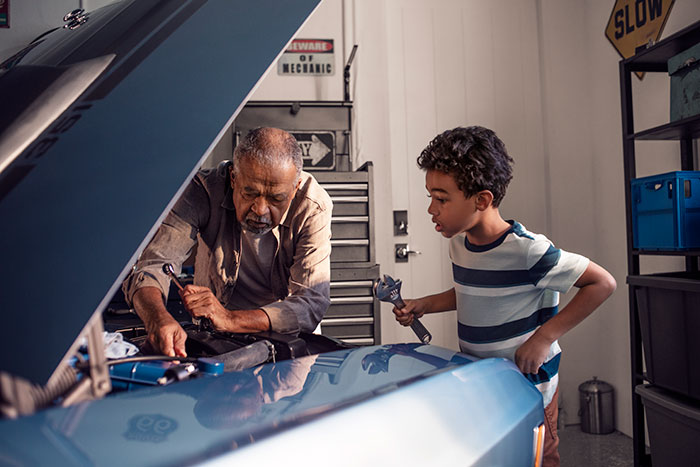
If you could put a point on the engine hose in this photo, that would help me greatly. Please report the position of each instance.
(246, 357)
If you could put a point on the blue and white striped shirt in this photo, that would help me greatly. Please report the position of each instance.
(506, 290)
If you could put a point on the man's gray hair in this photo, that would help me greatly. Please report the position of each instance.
(269, 146)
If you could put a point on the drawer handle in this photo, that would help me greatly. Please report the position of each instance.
(344, 321)
(349, 242)
(349, 199)
(342, 300)
(350, 219)
(345, 186)
(348, 284)
(358, 341)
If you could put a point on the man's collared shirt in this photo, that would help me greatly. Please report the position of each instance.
(205, 216)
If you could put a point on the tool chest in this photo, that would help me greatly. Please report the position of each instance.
(353, 315)
(351, 224)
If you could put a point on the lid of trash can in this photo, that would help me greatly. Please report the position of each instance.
(595, 386)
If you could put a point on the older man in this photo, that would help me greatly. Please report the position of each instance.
(262, 228)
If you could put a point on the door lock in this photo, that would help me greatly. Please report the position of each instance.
(401, 252)
(400, 222)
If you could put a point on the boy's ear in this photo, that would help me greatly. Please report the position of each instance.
(484, 198)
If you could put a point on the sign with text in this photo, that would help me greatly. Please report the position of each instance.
(634, 23)
(4, 13)
(314, 57)
(317, 149)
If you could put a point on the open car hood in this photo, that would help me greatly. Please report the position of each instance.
(103, 124)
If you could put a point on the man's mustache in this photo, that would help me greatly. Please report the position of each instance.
(259, 219)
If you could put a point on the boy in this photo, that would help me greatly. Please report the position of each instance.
(507, 280)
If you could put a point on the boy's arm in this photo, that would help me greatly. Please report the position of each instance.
(596, 285)
(415, 308)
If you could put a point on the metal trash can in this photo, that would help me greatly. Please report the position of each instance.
(597, 407)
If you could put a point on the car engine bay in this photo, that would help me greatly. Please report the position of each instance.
(90, 374)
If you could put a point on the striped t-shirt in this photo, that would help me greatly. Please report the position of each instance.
(505, 290)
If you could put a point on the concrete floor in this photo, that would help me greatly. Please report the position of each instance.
(577, 448)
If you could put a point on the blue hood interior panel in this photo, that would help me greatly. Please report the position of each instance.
(82, 200)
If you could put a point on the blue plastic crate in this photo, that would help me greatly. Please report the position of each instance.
(666, 211)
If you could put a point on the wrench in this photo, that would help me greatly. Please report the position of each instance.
(203, 323)
(387, 289)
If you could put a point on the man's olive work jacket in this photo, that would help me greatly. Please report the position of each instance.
(205, 214)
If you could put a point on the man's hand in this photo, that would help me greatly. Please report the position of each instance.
(530, 356)
(413, 309)
(164, 333)
(168, 337)
(202, 303)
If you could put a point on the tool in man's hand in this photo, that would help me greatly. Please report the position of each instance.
(168, 269)
(387, 289)
(204, 323)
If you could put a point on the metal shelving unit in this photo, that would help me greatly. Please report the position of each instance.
(652, 59)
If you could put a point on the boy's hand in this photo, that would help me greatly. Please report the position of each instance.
(413, 309)
(530, 356)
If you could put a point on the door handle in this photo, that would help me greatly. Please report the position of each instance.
(401, 252)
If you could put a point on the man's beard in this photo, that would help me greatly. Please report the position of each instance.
(250, 224)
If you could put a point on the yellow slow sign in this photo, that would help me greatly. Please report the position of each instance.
(634, 23)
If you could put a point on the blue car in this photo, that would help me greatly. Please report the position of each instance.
(103, 123)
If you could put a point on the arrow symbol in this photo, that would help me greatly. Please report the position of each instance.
(314, 149)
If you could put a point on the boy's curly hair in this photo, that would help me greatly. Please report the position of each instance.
(474, 156)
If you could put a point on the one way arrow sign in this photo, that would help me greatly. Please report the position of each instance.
(317, 149)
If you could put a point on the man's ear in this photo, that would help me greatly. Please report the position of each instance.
(231, 177)
(484, 198)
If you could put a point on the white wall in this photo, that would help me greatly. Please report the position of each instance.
(326, 23)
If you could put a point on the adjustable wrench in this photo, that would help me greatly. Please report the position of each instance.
(386, 289)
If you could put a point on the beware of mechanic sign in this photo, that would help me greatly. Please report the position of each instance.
(308, 57)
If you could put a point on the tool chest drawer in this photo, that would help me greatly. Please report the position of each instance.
(353, 315)
(352, 219)
(348, 304)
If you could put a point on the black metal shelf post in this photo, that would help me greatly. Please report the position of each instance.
(652, 59)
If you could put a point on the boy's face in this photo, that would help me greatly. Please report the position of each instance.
(451, 211)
